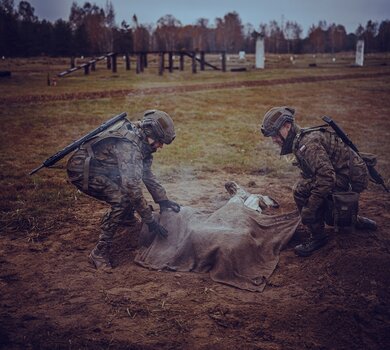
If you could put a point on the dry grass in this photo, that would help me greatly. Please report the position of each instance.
(216, 130)
(29, 76)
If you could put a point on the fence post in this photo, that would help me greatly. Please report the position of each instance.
(145, 60)
(127, 61)
(161, 63)
(181, 61)
(93, 65)
(114, 62)
(141, 61)
(223, 61)
(108, 58)
(138, 64)
(193, 62)
(86, 69)
(202, 60)
(72, 62)
(170, 56)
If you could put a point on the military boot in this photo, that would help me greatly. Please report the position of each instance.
(312, 244)
(100, 256)
(317, 239)
(363, 223)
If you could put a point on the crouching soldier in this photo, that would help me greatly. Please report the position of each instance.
(327, 166)
(112, 166)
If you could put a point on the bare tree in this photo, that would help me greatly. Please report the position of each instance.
(141, 36)
(109, 26)
(292, 34)
(166, 33)
(317, 37)
(369, 34)
(383, 38)
(26, 12)
(337, 37)
(275, 37)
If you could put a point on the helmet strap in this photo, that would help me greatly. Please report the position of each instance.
(288, 141)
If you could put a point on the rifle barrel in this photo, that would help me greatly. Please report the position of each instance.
(61, 154)
(36, 169)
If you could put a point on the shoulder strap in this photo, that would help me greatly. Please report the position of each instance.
(303, 131)
(123, 130)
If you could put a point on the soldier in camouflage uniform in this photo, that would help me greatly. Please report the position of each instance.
(112, 166)
(327, 166)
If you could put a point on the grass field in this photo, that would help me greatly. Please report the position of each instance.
(217, 126)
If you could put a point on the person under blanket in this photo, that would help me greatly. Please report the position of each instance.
(253, 201)
(238, 244)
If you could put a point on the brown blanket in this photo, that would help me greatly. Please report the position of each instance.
(238, 246)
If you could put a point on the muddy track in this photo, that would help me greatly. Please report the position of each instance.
(184, 88)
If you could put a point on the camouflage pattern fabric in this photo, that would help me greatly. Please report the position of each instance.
(327, 165)
(120, 163)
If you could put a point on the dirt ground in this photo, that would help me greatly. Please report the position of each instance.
(339, 298)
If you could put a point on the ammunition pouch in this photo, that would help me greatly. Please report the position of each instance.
(342, 209)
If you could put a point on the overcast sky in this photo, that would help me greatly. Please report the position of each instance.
(349, 13)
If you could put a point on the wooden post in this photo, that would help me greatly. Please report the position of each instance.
(114, 63)
(93, 66)
(161, 64)
(141, 62)
(138, 65)
(108, 58)
(202, 60)
(127, 57)
(223, 61)
(72, 62)
(181, 61)
(86, 69)
(145, 60)
(193, 62)
(170, 55)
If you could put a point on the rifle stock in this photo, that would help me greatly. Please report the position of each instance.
(375, 176)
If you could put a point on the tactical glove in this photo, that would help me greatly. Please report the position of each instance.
(167, 204)
(308, 216)
(156, 228)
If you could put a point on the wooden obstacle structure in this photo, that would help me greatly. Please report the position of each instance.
(142, 62)
(194, 58)
(91, 65)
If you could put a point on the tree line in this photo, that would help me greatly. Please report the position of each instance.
(91, 30)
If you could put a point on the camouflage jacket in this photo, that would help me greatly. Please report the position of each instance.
(329, 163)
(122, 154)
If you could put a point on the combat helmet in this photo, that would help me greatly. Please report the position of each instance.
(275, 118)
(159, 126)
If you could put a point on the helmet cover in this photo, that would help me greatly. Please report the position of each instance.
(275, 118)
(159, 126)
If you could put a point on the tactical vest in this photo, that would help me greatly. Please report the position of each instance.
(122, 130)
(356, 172)
(307, 172)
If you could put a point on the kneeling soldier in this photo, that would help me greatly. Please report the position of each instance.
(112, 166)
(327, 166)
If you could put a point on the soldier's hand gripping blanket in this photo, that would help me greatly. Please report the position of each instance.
(168, 204)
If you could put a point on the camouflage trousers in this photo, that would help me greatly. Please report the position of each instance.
(302, 191)
(121, 212)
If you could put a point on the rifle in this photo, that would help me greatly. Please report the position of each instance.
(375, 176)
(61, 154)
